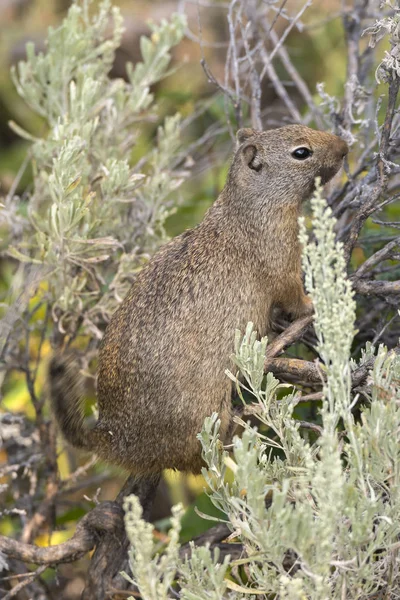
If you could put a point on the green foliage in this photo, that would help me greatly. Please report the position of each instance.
(77, 51)
(84, 186)
(317, 520)
(332, 294)
(201, 575)
(153, 576)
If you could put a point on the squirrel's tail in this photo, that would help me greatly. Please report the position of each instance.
(66, 392)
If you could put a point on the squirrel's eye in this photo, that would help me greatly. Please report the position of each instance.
(301, 153)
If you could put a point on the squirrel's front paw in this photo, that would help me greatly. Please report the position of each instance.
(305, 309)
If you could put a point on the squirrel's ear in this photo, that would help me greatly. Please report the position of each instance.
(244, 134)
(251, 157)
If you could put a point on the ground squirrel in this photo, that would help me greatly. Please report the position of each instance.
(163, 356)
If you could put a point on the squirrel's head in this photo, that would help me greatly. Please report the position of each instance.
(282, 164)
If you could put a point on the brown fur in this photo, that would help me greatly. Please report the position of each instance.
(164, 353)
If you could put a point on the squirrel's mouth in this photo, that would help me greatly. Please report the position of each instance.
(327, 172)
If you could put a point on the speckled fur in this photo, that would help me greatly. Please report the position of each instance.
(164, 353)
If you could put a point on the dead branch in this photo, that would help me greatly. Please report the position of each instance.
(295, 75)
(212, 536)
(372, 193)
(104, 517)
(28, 579)
(385, 253)
(294, 369)
(377, 288)
(288, 337)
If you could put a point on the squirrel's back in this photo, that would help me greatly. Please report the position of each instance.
(164, 354)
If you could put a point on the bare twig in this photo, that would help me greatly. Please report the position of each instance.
(296, 77)
(293, 21)
(376, 288)
(311, 397)
(28, 578)
(212, 536)
(383, 254)
(311, 426)
(269, 70)
(371, 195)
(285, 339)
(294, 368)
(232, 66)
(255, 84)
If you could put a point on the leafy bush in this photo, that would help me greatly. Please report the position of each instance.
(84, 186)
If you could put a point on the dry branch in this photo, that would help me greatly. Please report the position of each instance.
(294, 368)
(377, 288)
(105, 517)
(288, 337)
